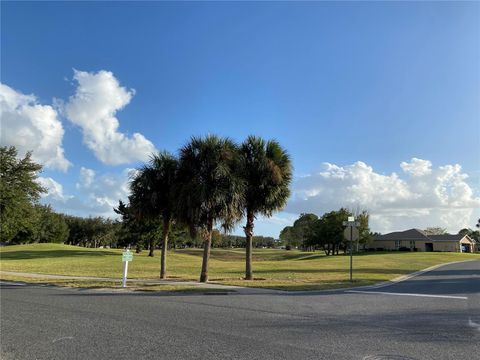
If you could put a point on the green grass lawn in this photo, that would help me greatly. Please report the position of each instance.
(277, 269)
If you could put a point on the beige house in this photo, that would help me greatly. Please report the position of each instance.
(417, 240)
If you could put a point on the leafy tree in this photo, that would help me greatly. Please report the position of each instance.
(180, 236)
(153, 197)
(366, 236)
(264, 242)
(232, 241)
(287, 236)
(110, 237)
(216, 238)
(137, 232)
(473, 234)
(303, 228)
(302, 233)
(326, 232)
(51, 227)
(96, 231)
(312, 235)
(92, 231)
(210, 190)
(76, 233)
(435, 230)
(331, 230)
(267, 172)
(19, 192)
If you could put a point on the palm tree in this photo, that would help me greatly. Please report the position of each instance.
(267, 171)
(210, 192)
(153, 196)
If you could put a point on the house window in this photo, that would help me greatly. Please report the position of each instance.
(397, 244)
(412, 244)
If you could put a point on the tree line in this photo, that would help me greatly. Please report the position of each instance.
(24, 220)
(310, 232)
(192, 199)
(212, 183)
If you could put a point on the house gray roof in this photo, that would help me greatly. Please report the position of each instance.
(446, 237)
(412, 234)
(417, 234)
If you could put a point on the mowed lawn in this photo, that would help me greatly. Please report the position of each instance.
(273, 268)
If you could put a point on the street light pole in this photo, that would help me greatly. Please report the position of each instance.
(351, 225)
(351, 253)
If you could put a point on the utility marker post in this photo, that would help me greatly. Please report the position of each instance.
(351, 233)
(126, 257)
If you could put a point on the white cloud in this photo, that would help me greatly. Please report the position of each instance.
(441, 197)
(54, 190)
(423, 197)
(417, 167)
(97, 99)
(104, 191)
(96, 195)
(87, 176)
(29, 126)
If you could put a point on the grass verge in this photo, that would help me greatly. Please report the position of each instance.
(275, 269)
(111, 285)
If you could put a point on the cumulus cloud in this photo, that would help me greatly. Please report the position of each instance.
(103, 192)
(97, 99)
(54, 190)
(423, 196)
(30, 126)
(417, 167)
(87, 176)
(96, 195)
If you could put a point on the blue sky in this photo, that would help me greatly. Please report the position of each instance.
(355, 91)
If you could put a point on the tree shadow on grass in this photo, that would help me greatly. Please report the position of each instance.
(231, 255)
(325, 271)
(42, 254)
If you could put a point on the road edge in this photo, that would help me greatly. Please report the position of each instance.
(267, 291)
(378, 285)
(409, 276)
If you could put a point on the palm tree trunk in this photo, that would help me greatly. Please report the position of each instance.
(151, 246)
(248, 251)
(206, 251)
(163, 258)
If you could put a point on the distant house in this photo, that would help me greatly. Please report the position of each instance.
(417, 240)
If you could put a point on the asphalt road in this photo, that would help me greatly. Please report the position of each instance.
(432, 316)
